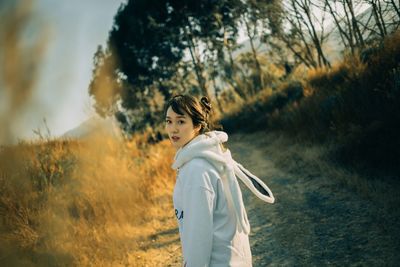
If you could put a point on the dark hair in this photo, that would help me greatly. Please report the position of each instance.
(198, 111)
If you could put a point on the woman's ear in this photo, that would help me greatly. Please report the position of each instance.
(198, 129)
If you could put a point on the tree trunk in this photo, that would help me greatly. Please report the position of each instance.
(300, 31)
(236, 88)
(395, 7)
(257, 63)
(216, 94)
(196, 62)
(349, 25)
(354, 23)
(314, 36)
(297, 54)
(377, 19)
(381, 17)
(346, 40)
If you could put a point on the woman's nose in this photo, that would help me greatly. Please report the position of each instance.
(174, 128)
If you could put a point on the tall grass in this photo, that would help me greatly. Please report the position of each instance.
(255, 113)
(80, 203)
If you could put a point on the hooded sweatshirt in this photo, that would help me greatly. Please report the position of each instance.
(212, 219)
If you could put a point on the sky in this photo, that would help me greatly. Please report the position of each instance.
(74, 28)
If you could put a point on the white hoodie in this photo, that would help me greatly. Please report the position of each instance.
(213, 224)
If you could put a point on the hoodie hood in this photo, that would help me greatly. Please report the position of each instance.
(209, 147)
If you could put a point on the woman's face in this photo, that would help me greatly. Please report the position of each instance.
(180, 128)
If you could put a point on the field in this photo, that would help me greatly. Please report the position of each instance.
(84, 203)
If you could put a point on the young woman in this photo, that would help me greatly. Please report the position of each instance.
(208, 203)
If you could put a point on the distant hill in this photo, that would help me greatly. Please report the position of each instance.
(92, 126)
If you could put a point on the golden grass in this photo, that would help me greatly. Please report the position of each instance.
(88, 203)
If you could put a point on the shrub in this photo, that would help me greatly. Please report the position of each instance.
(255, 113)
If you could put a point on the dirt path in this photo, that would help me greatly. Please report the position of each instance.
(317, 220)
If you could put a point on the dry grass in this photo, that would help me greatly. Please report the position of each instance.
(86, 203)
(255, 113)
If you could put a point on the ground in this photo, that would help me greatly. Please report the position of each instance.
(323, 214)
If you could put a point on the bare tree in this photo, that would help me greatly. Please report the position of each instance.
(195, 56)
(359, 21)
(306, 34)
(395, 6)
(352, 22)
(345, 35)
(252, 33)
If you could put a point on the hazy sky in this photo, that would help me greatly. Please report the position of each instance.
(75, 29)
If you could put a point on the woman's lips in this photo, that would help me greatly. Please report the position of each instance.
(175, 138)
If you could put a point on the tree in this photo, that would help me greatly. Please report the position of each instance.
(302, 38)
(148, 44)
(260, 19)
(104, 86)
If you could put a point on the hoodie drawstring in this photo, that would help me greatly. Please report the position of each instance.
(258, 187)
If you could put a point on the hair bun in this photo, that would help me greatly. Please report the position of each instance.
(206, 104)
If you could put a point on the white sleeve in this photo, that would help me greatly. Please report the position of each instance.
(197, 236)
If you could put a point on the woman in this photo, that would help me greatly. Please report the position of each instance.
(208, 203)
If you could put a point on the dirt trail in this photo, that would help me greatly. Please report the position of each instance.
(317, 219)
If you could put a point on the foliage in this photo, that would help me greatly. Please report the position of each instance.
(65, 202)
(154, 46)
(256, 113)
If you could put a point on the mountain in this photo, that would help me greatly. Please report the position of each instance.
(93, 126)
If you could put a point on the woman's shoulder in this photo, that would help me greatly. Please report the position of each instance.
(199, 165)
(199, 171)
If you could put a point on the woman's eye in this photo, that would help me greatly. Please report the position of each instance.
(167, 121)
(181, 122)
